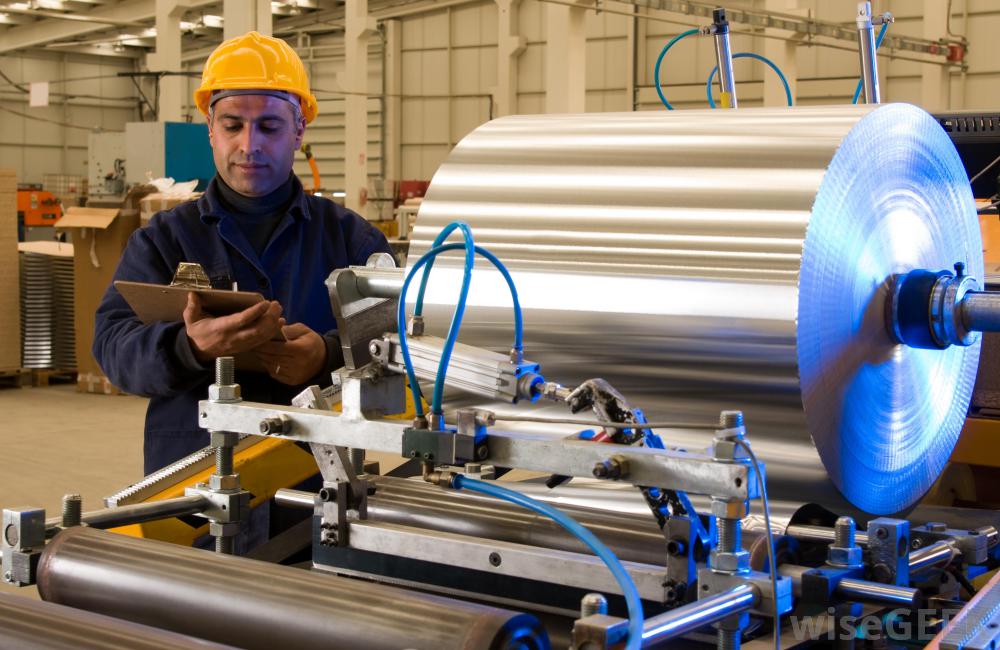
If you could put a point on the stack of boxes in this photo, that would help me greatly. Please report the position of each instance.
(10, 290)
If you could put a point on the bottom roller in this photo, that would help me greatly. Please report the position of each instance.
(28, 624)
(253, 604)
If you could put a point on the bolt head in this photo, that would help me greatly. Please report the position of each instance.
(727, 449)
(601, 470)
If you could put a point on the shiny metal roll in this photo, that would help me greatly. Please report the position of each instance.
(252, 604)
(29, 624)
(708, 260)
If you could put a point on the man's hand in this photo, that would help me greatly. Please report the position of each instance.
(223, 336)
(295, 360)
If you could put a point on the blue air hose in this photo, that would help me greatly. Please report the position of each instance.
(659, 61)
(425, 260)
(749, 55)
(878, 42)
(635, 615)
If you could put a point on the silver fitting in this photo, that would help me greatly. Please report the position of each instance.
(593, 603)
(415, 326)
(225, 389)
(844, 552)
(613, 468)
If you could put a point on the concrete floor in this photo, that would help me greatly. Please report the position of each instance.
(56, 441)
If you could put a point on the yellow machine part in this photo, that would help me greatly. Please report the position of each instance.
(264, 468)
(979, 443)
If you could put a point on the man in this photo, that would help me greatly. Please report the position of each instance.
(255, 227)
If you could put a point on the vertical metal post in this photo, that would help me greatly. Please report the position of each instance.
(724, 57)
(224, 480)
(866, 51)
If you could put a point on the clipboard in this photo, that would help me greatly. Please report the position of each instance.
(159, 302)
(154, 303)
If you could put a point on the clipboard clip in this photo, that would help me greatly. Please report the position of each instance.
(190, 275)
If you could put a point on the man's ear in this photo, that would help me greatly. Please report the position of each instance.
(211, 131)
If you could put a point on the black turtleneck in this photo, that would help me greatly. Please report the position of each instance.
(257, 216)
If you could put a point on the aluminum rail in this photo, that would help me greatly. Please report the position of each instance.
(30, 624)
(257, 605)
(679, 470)
(676, 622)
(139, 512)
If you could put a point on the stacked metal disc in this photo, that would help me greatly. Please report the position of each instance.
(708, 260)
(47, 331)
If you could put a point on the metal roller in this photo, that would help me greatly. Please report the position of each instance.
(709, 260)
(29, 624)
(253, 604)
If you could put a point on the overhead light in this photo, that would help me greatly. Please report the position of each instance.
(211, 20)
(339, 195)
(20, 5)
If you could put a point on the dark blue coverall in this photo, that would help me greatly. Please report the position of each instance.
(315, 237)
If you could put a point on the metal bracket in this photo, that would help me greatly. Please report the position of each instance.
(22, 542)
(225, 506)
(360, 319)
(888, 550)
(972, 544)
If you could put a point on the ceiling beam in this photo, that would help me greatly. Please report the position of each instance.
(42, 32)
(78, 17)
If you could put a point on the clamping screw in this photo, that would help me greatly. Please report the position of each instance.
(843, 532)
(72, 510)
(225, 371)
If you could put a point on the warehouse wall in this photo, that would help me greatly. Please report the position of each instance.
(448, 62)
(34, 147)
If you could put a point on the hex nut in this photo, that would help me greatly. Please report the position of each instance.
(224, 483)
(224, 393)
(728, 449)
(732, 562)
(216, 529)
(730, 509)
(223, 438)
(845, 557)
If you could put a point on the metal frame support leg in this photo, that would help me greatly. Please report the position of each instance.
(866, 51)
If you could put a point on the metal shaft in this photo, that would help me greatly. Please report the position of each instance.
(866, 52)
(820, 534)
(30, 624)
(411, 503)
(724, 58)
(981, 311)
(937, 554)
(258, 605)
(139, 512)
(379, 283)
(876, 592)
(688, 618)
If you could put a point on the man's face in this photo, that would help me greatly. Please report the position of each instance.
(254, 140)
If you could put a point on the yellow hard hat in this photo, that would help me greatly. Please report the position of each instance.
(255, 62)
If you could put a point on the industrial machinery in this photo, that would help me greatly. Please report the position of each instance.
(744, 344)
(37, 211)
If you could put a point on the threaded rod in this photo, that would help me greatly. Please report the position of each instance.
(72, 510)
(224, 545)
(225, 371)
(223, 461)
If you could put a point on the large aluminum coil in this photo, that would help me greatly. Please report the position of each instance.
(707, 260)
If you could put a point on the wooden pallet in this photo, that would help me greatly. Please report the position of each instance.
(46, 376)
(98, 384)
(14, 377)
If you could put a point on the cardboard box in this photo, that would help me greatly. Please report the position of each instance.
(153, 203)
(10, 280)
(99, 237)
